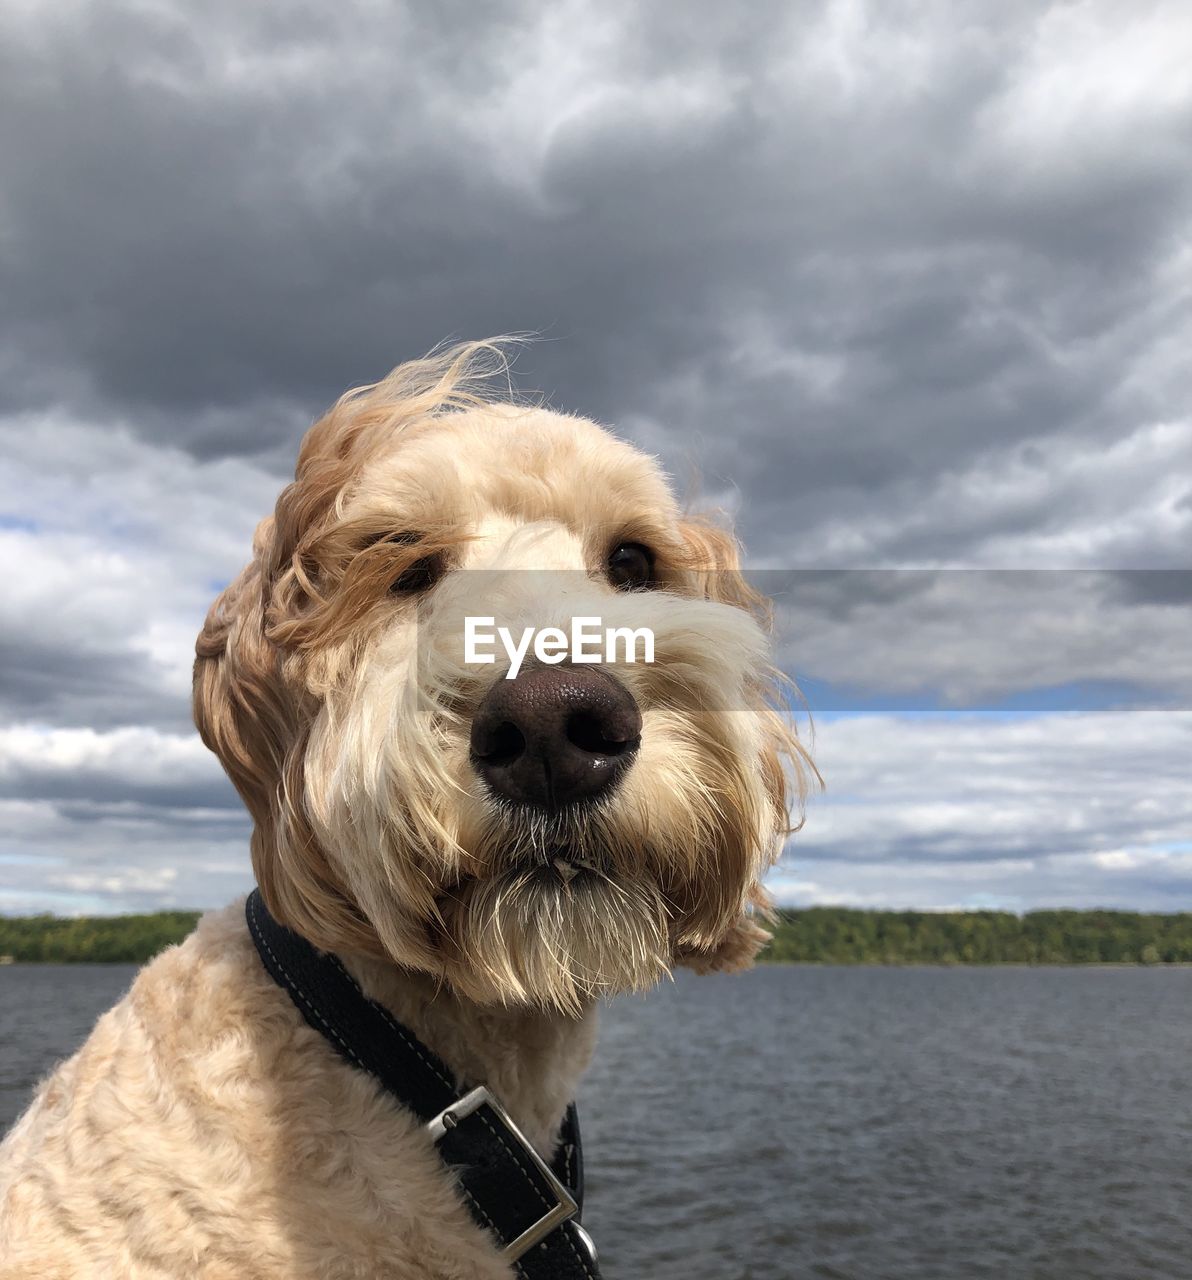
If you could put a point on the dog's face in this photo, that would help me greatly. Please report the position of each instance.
(544, 839)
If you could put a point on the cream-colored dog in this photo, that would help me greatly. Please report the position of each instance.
(488, 857)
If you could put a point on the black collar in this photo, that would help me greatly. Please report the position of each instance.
(531, 1208)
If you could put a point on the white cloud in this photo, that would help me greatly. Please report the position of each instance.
(969, 810)
(115, 549)
(1095, 78)
(136, 754)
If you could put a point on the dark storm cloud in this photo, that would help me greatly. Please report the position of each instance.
(73, 683)
(1059, 640)
(72, 792)
(216, 229)
(1171, 587)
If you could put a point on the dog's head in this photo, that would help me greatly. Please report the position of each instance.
(545, 839)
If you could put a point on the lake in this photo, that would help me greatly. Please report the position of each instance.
(845, 1123)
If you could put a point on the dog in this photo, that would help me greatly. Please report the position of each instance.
(487, 857)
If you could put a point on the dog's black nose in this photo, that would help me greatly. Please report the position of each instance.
(555, 735)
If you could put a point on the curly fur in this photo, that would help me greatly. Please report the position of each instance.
(204, 1130)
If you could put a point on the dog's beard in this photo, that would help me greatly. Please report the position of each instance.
(557, 934)
(563, 910)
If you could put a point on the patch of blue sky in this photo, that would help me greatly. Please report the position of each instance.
(56, 902)
(986, 901)
(18, 524)
(826, 698)
(128, 527)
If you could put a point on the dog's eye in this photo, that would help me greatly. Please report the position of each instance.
(630, 567)
(420, 576)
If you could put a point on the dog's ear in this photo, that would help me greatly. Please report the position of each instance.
(712, 556)
(235, 674)
(713, 559)
(248, 715)
(741, 944)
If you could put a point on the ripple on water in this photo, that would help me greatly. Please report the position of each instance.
(844, 1123)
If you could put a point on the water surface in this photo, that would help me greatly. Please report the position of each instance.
(845, 1123)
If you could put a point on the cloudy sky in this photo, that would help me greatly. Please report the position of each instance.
(908, 286)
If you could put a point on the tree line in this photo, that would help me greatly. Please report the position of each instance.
(92, 939)
(815, 935)
(839, 935)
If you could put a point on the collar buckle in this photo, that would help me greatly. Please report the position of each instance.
(565, 1207)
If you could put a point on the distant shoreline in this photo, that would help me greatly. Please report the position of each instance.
(812, 935)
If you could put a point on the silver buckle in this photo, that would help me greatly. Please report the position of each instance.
(566, 1208)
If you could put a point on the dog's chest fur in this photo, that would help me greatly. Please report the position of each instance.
(204, 1130)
